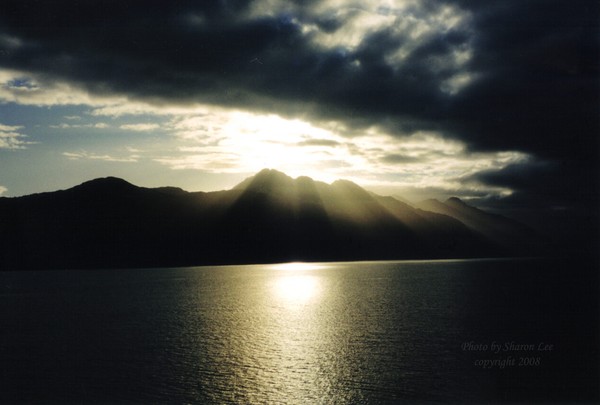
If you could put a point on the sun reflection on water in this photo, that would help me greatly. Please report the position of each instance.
(298, 266)
(295, 284)
(297, 288)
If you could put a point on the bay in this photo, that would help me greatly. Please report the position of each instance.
(362, 332)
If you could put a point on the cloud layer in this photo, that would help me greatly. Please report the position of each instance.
(501, 74)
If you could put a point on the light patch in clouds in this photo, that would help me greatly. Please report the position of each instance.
(456, 83)
(139, 127)
(8, 42)
(99, 125)
(43, 92)
(83, 155)
(12, 138)
(3, 190)
(30, 89)
(120, 107)
(426, 160)
(406, 25)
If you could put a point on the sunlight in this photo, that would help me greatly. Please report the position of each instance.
(223, 141)
(232, 141)
(296, 289)
(241, 141)
(294, 285)
(297, 266)
(273, 141)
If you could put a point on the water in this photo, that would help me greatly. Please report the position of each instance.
(370, 332)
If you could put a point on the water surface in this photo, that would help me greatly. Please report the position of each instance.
(368, 332)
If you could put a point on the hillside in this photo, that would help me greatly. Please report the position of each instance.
(269, 217)
(499, 229)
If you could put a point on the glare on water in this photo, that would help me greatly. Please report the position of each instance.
(293, 285)
(298, 266)
(296, 289)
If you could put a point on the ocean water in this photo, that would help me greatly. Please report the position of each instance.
(344, 333)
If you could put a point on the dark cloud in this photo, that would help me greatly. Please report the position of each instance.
(534, 65)
(539, 90)
(558, 198)
(566, 184)
(204, 52)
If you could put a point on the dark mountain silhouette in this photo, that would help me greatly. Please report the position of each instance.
(503, 231)
(270, 217)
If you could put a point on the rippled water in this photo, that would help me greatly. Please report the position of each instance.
(370, 332)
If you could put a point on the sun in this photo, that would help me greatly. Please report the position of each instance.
(259, 141)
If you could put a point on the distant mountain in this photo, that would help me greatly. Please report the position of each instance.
(270, 217)
(501, 230)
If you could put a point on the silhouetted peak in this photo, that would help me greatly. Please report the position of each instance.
(351, 190)
(430, 201)
(271, 175)
(305, 180)
(304, 183)
(402, 199)
(456, 202)
(106, 183)
(347, 184)
(266, 180)
(171, 190)
(435, 205)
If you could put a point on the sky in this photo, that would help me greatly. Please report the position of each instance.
(496, 101)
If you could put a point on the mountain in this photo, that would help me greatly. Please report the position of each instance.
(501, 230)
(269, 217)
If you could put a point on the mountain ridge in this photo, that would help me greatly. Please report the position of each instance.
(495, 227)
(269, 217)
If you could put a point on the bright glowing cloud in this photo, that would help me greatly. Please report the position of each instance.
(3, 190)
(234, 141)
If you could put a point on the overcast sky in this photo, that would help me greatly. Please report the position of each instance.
(494, 101)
